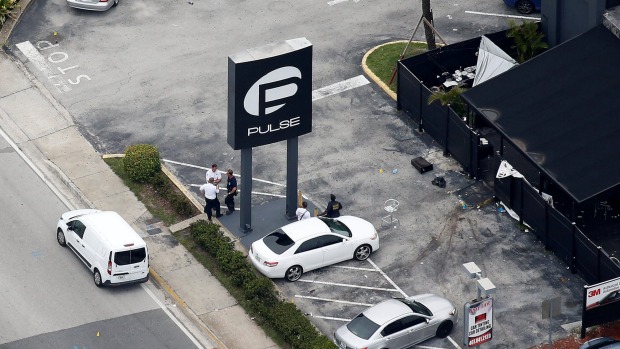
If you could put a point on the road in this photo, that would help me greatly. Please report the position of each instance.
(48, 297)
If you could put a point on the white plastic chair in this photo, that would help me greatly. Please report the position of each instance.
(390, 206)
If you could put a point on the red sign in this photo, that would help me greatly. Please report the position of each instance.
(478, 322)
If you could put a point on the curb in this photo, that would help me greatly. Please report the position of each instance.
(372, 75)
(159, 281)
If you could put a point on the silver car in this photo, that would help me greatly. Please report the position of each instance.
(398, 323)
(93, 5)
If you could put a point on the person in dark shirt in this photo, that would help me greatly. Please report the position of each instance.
(232, 192)
(333, 208)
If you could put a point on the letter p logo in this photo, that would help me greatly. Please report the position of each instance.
(267, 94)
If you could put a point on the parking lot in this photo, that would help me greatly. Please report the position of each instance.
(156, 73)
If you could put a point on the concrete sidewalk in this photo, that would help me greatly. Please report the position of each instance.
(44, 131)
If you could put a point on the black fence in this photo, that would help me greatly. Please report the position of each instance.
(557, 232)
(463, 143)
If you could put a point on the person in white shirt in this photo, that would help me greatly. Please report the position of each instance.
(209, 191)
(302, 212)
(214, 173)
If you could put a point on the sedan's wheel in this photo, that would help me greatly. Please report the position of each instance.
(97, 278)
(362, 253)
(294, 273)
(60, 236)
(525, 6)
(444, 329)
(115, 2)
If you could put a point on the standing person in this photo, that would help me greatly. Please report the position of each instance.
(209, 191)
(302, 212)
(333, 208)
(232, 191)
(215, 174)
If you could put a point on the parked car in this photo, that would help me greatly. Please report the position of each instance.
(601, 343)
(313, 243)
(399, 323)
(107, 244)
(524, 6)
(92, 5)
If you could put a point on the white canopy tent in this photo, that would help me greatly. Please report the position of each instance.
(492, 61)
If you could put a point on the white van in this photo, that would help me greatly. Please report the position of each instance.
(107, 244)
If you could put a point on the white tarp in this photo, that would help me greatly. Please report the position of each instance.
(492, 61)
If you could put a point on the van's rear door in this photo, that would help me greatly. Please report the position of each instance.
(130, 265)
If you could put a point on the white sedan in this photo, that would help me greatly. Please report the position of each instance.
(313, 243)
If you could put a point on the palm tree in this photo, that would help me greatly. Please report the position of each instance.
(428, 14)
(528, 40)
(451, 97)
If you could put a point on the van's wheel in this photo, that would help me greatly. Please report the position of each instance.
(97, 278)
(60, 236)
(362, 253)
(294, 273)
(444, 329)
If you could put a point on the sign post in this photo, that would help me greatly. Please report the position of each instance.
(269, 100)
(478, 314)
(550, 308)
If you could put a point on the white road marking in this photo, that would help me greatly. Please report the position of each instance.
(426, 347)
(176, 321)
(334, 2)
(387, 278)
(204, 168)
(502, 15)
(36, 170)
(338, 87)
(333, 300)
(38, 60)
(354, 268)
(330, 318)
(349, 285)
(454, 343)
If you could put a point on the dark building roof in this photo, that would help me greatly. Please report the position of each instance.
(562, 109)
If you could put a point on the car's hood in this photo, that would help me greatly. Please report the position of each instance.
(436, 304)
(360, 228)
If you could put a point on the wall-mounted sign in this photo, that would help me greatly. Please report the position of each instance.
(270, 93)
(478, 318)
(603, 293)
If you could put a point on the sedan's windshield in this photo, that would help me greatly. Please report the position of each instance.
(337, 227)
(416, 307)
(278, 241)
(362, 327)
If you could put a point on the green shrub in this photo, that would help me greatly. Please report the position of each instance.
(181, 205)
(7, 8)
(258, 291)
(141, 162)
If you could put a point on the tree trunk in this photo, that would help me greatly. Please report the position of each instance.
(428, 14)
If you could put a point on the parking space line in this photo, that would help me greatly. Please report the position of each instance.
(348, 285)
(338, 87)
(502, 15)
(454, 343)
(204, 168)
(354, 268)
(330, 318)
(332, 300)
(426, 347)
(387, 277)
